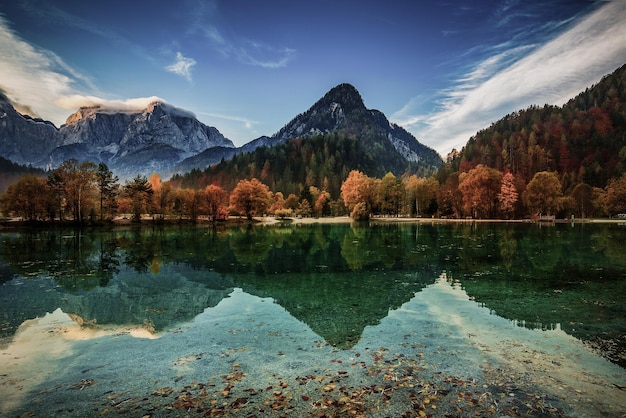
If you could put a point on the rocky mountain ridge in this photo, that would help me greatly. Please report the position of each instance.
(24, 140)
(150, 140)
(165, 139)
(143, 141)
(334, 113)
(340, 111)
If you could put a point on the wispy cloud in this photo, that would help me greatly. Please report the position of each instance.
(182, 66)
(259, 54)
(248, 52)
(551, 73)
(32, 76)
(248, 124)
(251, 52)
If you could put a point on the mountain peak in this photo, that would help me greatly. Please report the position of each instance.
(155, 105)
(83, 112)
(345, 95)
(342, 111)
(326, 115)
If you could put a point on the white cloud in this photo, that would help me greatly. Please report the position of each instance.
(253, 53)
(40, 83)
(262, 55)
(133, 105)
(32, 76)
(206, 20)
(182, 66)
(550, 74)
(75, 101)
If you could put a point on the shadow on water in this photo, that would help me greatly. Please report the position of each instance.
(338, 279)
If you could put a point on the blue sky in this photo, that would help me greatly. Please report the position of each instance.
(441, 69)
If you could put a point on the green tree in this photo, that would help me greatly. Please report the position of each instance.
(108, 188)
(421, 195)
(139, 191)
(598, 202)
(390, 195)
(582, 196)
(76, 183)
(543, 194)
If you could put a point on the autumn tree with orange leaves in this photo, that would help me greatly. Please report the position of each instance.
(616, 196)
(250, 197)
(358, 193)
(216, 201)
(480, 187)
(508, 196)
(28, 198)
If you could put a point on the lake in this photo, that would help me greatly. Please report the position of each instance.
(386, 319)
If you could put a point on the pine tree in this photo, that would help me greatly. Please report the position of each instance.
(107, 187)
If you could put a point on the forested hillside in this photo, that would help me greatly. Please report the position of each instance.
(584, 141)
(322, 161)
(11, 172)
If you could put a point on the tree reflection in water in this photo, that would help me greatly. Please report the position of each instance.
(338, 279)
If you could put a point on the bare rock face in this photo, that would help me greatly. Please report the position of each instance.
(96, 129)
(153, 139)
(25, 140)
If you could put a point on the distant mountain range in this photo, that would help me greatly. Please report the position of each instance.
(146, 141)
(340, 111)
(164, 139)
(318, 148)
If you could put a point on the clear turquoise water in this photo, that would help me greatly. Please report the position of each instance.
(296, 296)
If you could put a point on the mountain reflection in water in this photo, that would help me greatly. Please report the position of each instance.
(337, 279)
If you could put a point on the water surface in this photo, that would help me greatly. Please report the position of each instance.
(376, 320)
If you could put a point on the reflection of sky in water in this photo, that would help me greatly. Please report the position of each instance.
(440, 329)
(305, 301)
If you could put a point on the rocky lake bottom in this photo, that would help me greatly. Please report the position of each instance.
(440, 354)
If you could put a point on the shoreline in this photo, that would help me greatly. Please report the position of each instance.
(270, 220)
(147, 220)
